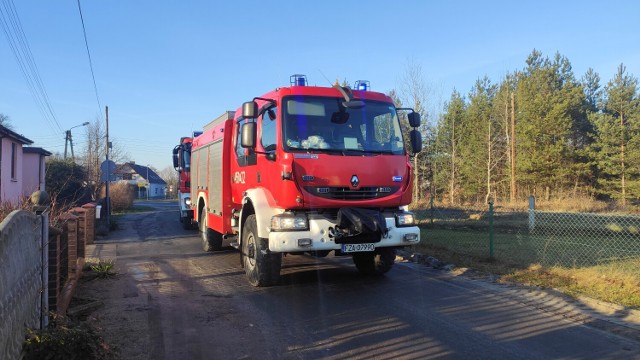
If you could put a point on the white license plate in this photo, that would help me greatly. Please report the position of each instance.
(350, 248)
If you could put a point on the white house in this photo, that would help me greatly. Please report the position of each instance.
(142, 176)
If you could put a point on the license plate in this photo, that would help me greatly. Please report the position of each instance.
(350, 248)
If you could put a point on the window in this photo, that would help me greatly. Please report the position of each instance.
(268, 129)
(14, 161)
(244, 156)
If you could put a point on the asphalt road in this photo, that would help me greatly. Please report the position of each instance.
(172, 301)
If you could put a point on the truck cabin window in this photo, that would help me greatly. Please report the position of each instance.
(322, 124)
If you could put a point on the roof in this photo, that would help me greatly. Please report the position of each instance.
(36, 150)
(5, 132)
(142, 171)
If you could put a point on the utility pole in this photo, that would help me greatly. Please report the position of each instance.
(107, 197)
(513, 148)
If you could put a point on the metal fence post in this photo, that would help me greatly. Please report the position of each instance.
(491, 229)
(431, 207)
(532, 213)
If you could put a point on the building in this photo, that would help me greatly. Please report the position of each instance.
(149, 184)
(21, 168)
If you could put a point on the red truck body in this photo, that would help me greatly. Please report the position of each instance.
(305, 169)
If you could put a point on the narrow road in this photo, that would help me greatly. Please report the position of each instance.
(172, 301)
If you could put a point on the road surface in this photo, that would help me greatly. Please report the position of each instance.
(172, 301)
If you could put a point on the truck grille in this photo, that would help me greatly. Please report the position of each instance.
(346, 193)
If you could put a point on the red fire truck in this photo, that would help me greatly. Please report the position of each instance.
(182, 164)
(305, 169)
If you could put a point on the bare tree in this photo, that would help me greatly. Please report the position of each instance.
(415, 92)
(170, 176)
(94, 155)
(5, 121)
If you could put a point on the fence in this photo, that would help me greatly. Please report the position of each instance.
(534, 236)
(39, 267)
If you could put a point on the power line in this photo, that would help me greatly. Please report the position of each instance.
(86, 44)
(12, 28)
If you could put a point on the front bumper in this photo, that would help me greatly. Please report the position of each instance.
(318, 237)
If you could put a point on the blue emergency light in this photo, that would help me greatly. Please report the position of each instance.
(363, 85)
(298, 80)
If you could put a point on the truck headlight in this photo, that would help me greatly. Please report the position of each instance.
(289, 222)
(405, 219)
(187, 201)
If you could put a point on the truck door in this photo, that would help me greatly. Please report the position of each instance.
(243, 165)
(268, 171)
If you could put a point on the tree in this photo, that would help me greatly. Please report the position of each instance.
(550, 110)
(95, 154)
(616, 147)
(5, 121)
(414, 92)
(170, 176)
(66, 182)
(447, 140)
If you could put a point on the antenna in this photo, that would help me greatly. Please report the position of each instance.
(326, 78)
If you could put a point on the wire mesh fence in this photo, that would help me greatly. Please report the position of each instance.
(534, 236)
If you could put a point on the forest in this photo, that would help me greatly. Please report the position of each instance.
(539, 131)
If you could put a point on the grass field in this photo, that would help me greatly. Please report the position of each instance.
(597, 255)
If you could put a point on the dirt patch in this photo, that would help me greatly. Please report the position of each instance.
(117, 309)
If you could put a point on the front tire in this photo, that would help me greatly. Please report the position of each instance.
(211, 240)
(375, 263)
(262, 269)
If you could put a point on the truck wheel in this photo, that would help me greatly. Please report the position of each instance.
(211, 240)
(261, 269)
(375, 263)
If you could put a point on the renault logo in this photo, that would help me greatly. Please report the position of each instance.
(355, 181)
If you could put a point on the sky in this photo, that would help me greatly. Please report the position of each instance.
(166, 68)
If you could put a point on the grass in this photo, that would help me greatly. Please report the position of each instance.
(103, 269)
(602, 270)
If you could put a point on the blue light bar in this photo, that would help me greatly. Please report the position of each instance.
(363, 85)
(298, 80)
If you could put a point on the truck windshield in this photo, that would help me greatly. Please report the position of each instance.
(322, 124)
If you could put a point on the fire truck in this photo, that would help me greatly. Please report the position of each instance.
(306, 169)
(182, 164)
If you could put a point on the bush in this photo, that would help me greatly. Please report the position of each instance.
(122, 196)
(66, 340)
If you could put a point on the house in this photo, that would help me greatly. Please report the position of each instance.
(150, 185)
(21, 168)
(33, 169)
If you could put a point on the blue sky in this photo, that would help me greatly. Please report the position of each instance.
(165, 68)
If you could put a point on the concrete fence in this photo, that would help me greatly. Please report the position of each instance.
(39, 269)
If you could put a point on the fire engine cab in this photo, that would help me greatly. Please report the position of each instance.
(306, 169)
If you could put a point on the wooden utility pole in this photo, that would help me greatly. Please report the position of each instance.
(513, 148)
(108, 177)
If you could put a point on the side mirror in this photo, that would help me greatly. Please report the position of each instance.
(175, 158)
(414, 119)
(248, 135)
(250, 110)
(416, 141)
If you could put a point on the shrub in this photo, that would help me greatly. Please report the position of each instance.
(122, 195)
(66, 340)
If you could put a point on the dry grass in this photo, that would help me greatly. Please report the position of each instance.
(617, 282)
(560, 204)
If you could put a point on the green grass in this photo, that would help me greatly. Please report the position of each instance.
(604, 267)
